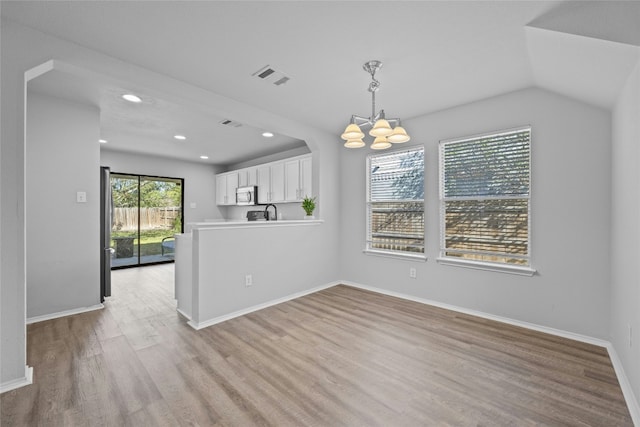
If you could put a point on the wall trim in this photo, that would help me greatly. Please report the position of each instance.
(65, 313)
(514, 322)
(632, 403)
(18, 382)
(210, 322)
(183, 314)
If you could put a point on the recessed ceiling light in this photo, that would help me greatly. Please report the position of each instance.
(131, 97)
(204, 157)
(180, 137)
(267, 134)
(102, 141)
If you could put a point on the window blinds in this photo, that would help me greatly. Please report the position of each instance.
(484, 191)
(395, 201)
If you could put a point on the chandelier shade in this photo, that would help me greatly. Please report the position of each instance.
(380, 143)
(352, 132)
(381, 127)
(354, 143)
(398, 136)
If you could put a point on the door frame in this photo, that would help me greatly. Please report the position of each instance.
(152, 177)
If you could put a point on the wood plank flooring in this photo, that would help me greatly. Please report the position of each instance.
(339, 357)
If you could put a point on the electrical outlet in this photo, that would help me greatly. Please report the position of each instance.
(413, 273)
(248, 280)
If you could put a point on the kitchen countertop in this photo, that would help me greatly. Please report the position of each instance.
(246, 224)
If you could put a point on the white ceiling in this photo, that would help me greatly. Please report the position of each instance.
(436, 55)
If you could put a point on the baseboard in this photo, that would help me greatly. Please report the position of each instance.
(19, 382)
(219, 319)
(625, 385)
(183, 314)
(44, 317)
(514, 322)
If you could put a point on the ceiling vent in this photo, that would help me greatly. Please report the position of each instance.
(267, 73)
(230, 123)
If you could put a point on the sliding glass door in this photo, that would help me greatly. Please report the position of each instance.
(147, 212)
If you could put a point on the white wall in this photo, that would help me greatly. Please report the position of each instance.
(570, 216)
(63, 236)
(625, 235)
(283, 260)
(199, 179)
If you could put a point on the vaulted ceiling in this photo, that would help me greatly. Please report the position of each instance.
(436, 55)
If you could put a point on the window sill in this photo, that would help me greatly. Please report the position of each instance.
(397, 255)
(500, 268)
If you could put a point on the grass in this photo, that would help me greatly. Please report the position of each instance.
(149, 239)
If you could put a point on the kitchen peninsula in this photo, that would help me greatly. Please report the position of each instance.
(226, 269)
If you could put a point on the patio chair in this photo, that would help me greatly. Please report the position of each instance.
(168, 244)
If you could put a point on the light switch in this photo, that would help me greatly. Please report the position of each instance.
(193, 205)
(81, 197)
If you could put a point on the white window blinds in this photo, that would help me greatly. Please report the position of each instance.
(395, 201)
(484, 196)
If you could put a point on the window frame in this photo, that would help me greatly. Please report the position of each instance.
(526, 270)
(368, 250)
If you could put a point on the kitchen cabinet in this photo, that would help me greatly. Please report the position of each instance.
(252, 176)
(226, 185)
(263, 176)
(283, 181)
(247, 177)
(277, 182)
(242, 178)
(298, 177)
(270, 179)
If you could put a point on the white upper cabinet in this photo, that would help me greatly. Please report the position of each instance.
(270, 183)
(247, 177)
(226, 185)
(242, 178)
(292, 180)
(263, 174)
(298, 176)
(278, 182)
(252, 176)
(306, 177)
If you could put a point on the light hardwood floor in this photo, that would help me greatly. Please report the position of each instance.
(341, 356)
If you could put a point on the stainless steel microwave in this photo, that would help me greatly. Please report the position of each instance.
(246, 196)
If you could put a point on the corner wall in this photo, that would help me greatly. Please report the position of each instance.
(625, 233)
(63, 240)
(571, 146)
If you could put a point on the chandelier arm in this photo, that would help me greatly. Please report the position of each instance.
(362, 121)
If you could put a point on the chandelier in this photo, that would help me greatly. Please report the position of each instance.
(381, 129)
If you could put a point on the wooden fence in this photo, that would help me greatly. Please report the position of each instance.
(126, 219)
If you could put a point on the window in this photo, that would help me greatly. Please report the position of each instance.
(485, 199)
(395, 202)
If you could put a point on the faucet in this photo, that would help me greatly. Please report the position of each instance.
(266, 213)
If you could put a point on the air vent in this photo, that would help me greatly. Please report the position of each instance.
(281, 81)
(267, 73)
(230, 123)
